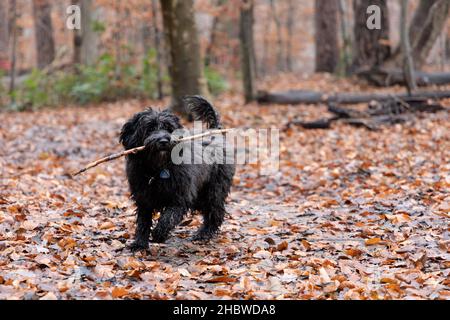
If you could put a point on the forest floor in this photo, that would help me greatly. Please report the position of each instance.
(352, 214)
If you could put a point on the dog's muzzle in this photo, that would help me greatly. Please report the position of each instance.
(159, 141)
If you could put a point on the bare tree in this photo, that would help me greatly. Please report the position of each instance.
(12, 84)
(157, 45)
(290, 32)
(371, 46)
(408, 65)
(77, 39)
(326, 27)
(248, 59)
(4, 34)
(45, 43)
(185, 66)
(213, 35)
(423, 41)
(345, 36)
(279, 46)
(86, 39)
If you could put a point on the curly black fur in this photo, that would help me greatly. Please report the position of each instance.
(158, 185)
(203, 111)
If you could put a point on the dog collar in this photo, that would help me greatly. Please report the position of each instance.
(164, 174)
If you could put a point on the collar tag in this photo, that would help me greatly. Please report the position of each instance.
(164, 174)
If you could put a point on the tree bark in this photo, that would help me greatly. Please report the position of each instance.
(276, 19)
(185, 66)
(77, 39)
(248, 60)
(327, 48)
(419, 18)
(4, 35)
(427, 24)
(157, 44)
(12, 84)
(408, 66)
(371, 47)
(290, 33)
(432, 28)
(346, 49)
(87, 37)
(45, 43)
(213, 35)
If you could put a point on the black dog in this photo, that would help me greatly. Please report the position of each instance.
(159, 185)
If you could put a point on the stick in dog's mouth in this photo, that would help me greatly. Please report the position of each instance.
(138, 149)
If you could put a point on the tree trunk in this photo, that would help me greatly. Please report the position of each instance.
(427, 24)
(12, 84)
(371, 47)
(87, 45)
(213, 35)
(185, 66)
(408, 65)
(4, 36)
(157, 44)
(430, 31)
(419, 18)
(327, 48)
(248, 60)
(345, 53)
(276, 19)
(290, 32)
(45, 44)
(77, 39)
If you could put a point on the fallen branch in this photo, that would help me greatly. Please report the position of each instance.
(138, 149)
(313, 97)
(390, 112)
(386, 78)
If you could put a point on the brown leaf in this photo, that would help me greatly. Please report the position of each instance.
(282, 246)
(373, 241)
(119, 292)
(224, 279)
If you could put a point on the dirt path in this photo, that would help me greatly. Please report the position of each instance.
(351, 214)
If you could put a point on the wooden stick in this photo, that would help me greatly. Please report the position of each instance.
(138, 149)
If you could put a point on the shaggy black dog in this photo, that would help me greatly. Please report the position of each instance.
(159, 185)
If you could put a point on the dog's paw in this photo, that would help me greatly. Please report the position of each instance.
(159, 237)
(203, 235)
(138, 246)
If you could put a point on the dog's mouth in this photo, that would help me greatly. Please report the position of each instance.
(163, 148)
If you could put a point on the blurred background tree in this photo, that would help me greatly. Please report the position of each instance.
(150, 49)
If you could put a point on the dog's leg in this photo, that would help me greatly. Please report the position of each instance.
(143, 226)
(169, 219)
(213, 204)
(213, 217)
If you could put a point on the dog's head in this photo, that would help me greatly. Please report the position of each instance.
(152, 129)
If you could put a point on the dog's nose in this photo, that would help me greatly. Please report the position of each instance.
(163, 142)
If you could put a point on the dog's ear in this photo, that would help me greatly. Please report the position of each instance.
(171, 118)
(131, 133)
(128, 133)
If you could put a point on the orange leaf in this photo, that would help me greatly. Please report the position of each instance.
(222, 279)
(282, 246)
(353, 252)
(107, 225)
(373, 241)
(388, 280)
(118, 292)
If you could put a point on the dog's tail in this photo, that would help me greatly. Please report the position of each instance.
(202, 110)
